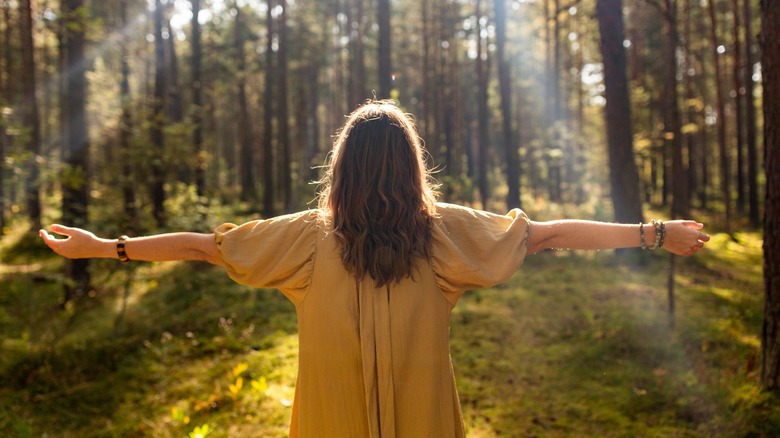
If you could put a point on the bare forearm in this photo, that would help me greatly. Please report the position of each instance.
(580, 234)
(161, 247)
(681, 237)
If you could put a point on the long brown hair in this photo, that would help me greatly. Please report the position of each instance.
(379, 193)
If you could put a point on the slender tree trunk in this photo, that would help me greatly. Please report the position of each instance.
(357, 70)
(75, 186)
(30, 117)
(268, 133)
(282, 111)
(623, 175)
(6, 97)
(770, 64)
(157, 185)
(510, 147)
(482, 110)
(125, 132)
(385, 63)
(725, 160)
(197, 109)
(245, 138)
(750, 118)
(679, 180)
(738, 106)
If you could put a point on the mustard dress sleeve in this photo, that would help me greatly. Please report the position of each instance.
(277, 252)
(474, 249)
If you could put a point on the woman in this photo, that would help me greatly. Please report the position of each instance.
(374, 273)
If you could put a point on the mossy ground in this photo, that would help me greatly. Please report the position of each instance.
(576, 344)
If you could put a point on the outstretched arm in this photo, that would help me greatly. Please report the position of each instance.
(81, 244)
(682, 237)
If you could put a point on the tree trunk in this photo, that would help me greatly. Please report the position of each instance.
(282, 111)
(673, 131)
(6, 97)
(385, 64)
(357, 70)
(245, 137)
(157, 183)
(750, 118)
(725, 174)
(482, 114)
(125, 132)
(30, 117)
(268, 133)
(770, 63)
(197, 109)
(510, 147)
(738, 106)
(623, 175)
(75, 181)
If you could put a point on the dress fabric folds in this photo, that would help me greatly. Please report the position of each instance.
(374, 362)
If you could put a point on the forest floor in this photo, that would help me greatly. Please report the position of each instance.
(575, 344)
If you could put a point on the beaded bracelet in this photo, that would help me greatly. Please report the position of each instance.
(660, 231)
(120, 249)
(642, 243)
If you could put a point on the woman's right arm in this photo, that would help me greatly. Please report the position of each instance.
(80, 244)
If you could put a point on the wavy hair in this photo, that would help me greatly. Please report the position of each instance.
(379, 193)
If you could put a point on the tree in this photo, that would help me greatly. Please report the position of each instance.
(126, 129)
(385, 65)
(750, 118)
(75, 177)
(623, 175)
(282, 110)
(157, 122)
(268, 133)
(510, 147)
(197, 105)
(30, 116)
(725, 173)
(770, 63)
(482, 73)
(245, 137)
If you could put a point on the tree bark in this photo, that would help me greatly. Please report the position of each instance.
(770, 64)
(283, 111)
(245, 137)
(510, 147)
(30, 117)
(385, 62)
(125, 132)
(750, 119)
(679, 180)
(739, 106)
(482, 114)
(268, 133)
(157, 182)
(75, 181)
(623, 175)
(197, 108)
(725, 160)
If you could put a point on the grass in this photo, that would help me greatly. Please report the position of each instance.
(576, 344)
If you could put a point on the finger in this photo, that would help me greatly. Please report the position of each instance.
(693, 224)
(704, 237)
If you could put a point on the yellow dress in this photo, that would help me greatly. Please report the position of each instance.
(374, 362)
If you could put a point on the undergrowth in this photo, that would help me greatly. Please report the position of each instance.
(575, 344)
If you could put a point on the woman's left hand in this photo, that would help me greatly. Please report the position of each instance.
(684, 238)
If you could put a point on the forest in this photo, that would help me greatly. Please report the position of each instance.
(140, 117)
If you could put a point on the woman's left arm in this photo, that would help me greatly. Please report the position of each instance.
(683, 237)
(80, 244)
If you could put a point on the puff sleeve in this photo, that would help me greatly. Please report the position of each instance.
(474, 249)
(277, 252)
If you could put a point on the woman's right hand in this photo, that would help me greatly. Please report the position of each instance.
(79, 244)
(683, 237)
